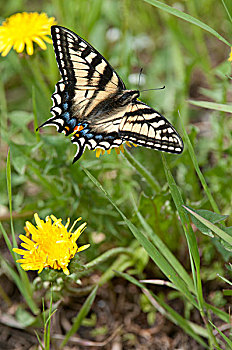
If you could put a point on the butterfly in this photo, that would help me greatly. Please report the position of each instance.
(92, 104)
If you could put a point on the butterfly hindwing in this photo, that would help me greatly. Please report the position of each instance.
(144, 126)
(91, 102)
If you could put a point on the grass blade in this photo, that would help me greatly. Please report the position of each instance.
(8, 178)
(221, 314)
(47, 326)
(186, 17)
(25, 286)
(222, 107)
(227, 340)
(7, 240)
(143, 171)
(227, 11)
(39, 341)
(154, 254)
(198, 171)
(21, 286)
(81, 315)
(37, 134)
(193, 248)
(166, 252)
(166, 310)
(105, 256)
(225, 279)
(176, 195)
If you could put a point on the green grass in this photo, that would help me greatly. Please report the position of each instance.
(159, 216)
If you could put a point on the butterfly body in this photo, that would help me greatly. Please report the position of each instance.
(92, 104)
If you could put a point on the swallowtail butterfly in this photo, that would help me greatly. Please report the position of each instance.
(92, 103)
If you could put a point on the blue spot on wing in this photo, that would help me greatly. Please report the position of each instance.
(66, 96)
(72, 122)
(65, 106)
(98, 137)
(84, 131)
(66, 116)
(89, 136)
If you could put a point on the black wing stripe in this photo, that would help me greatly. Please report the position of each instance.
(95, 62)
(85, 52)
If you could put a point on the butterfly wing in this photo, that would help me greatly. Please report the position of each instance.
(145, 127)
(87, 81)
(81, 63)
(89, 103)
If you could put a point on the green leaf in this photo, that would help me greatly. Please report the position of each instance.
(20, 118)
(24, 317)
(219, 232)
(224, 249)
(208, 215)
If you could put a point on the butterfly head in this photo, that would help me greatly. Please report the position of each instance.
(126, 96)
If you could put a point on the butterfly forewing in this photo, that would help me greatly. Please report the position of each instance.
(78, 61)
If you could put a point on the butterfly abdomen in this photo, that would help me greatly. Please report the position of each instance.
(112, 104)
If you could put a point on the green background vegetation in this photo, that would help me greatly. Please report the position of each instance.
(143, 203)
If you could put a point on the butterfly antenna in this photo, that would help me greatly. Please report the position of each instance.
(140, 73)
(161, 88)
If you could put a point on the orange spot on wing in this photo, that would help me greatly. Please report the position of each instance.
(121, 148)
(78, 128)
(67, 128)
(98, 152)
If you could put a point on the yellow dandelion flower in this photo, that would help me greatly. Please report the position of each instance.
(119, 149)
(23, 29)
(51, 244)
(230, 58)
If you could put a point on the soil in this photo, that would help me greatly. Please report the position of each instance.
(116, 322)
